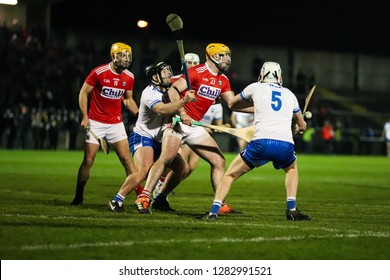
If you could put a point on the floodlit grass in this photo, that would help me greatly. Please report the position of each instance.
(348, 198)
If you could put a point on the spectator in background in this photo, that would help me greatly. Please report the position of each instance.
(24, 124)
(38, 123)
(339, 134)
(53, 132)
(386, 135)
(369, 132)
(307, 138)
(10, 128)
(366, 143)
(72, 128)
(328, 135)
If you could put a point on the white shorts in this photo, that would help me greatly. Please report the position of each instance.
(112, 132)
(191, 135)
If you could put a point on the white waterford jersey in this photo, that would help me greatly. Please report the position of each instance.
(274, 109)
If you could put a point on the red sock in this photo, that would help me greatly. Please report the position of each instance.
(138, 190)
(145, 193)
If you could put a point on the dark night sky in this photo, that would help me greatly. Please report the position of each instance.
(314, 25)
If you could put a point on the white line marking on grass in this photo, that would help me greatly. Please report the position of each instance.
(288, 225)
(54, 247)
(337, 233)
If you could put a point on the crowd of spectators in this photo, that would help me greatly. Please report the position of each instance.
(39, 88)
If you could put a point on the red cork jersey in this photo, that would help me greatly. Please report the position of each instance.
(207, 86)
(107, 93)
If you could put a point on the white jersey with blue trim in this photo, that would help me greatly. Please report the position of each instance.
(149, 123)
(214, 113)
(274, 109)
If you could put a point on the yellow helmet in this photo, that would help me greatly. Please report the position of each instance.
(222, 50)
(125, 51)
(216, 48)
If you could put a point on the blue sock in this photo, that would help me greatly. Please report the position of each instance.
(119, 198)
(291, 203)
(215, 207)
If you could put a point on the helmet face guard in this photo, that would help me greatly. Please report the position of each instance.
(121, 55)
(220, 55)
(159, 74)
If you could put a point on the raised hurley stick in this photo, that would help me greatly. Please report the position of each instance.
(175, 23)
(307, 100)
(102, 142)
(245, 133)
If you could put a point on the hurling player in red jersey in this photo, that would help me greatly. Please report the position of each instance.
(108, 86)
(209, 82)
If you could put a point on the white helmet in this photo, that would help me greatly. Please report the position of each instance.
(271, 72)
(191, 59)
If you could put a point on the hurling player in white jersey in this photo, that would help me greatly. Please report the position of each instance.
(213, 115)
(108, 86)
(145, 140)
(209, 82)
(273, 106)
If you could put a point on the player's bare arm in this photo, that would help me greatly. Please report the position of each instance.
(300, 123)
(166, 109)
(236, 103)
(130, 103)
(83, 103)
(174, 94)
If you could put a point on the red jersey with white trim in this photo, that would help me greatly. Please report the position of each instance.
(207, 86)
(107, 93)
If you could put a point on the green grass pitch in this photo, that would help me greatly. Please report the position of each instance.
(348, 198)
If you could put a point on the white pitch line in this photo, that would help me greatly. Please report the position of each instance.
(54, 247)
(288, 225)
